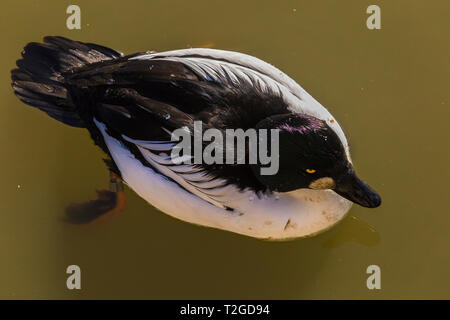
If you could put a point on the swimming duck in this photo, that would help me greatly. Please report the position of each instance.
(132, 104)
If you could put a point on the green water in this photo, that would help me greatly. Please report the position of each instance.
(388, 89)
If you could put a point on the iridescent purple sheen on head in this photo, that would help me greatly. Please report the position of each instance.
(302, 124)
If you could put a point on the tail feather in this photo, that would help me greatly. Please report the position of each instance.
(39, 79)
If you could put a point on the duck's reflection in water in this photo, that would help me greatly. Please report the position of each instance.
(353, 229)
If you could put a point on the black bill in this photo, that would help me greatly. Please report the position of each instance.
(352, 188)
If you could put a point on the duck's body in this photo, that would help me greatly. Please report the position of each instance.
(132, 104)
(273, 216)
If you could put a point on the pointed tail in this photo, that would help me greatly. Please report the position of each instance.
(39, 81)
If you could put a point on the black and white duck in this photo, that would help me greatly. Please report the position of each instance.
(132, 104)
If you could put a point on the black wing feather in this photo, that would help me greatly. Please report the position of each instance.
(146, 99)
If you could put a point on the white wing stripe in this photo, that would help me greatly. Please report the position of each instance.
(169, 173)
(234, 58)
(153, 145)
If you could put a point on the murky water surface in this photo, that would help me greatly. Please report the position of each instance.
(388, 89)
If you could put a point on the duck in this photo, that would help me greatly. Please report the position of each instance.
(132, 104)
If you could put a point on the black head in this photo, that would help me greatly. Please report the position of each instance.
(312, 156)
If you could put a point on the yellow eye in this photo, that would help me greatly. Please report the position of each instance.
(310, 170)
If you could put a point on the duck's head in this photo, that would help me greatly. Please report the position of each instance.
(312, 156)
